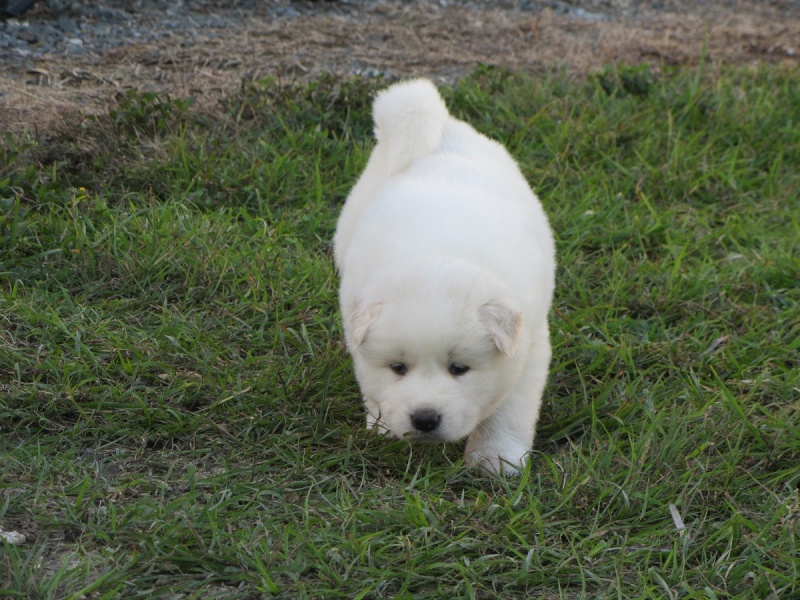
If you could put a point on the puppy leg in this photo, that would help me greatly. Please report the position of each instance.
(501, 443)
(373, 415)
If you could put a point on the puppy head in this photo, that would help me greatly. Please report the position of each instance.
(435, 349)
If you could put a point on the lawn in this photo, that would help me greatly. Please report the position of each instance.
(179, 417)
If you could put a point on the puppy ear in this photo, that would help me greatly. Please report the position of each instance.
(360, 319)
(504, 325)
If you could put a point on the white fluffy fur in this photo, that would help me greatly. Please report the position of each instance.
(446, 258)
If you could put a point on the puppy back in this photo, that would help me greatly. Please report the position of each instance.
(409, 122)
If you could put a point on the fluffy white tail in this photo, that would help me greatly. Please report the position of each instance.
(409, 121)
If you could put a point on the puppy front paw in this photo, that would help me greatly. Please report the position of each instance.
(373, 414)
(497, 462)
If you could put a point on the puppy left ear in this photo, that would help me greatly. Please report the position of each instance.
(504, 325)
(360, 319)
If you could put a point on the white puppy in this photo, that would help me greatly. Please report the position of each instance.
(447, 269)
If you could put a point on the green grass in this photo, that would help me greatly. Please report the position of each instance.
(178, 415)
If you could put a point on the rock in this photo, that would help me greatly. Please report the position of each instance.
(26, 35)
(13, 538)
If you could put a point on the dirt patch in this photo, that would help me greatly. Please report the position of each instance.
(44, 92)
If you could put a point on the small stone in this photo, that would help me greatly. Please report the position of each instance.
(13, 538)
(67, 25)
(26, 35)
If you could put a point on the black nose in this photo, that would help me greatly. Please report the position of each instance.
(425, 419)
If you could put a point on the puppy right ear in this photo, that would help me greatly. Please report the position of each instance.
(504, 325)
(360, 319)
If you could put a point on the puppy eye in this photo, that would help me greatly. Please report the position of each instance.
(399, 368)
(456, 370)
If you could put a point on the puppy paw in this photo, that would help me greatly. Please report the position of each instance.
(372, 421)
(497, 463)
(373, 414)
(375, 425)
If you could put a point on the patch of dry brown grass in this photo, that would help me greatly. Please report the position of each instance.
(398, 39)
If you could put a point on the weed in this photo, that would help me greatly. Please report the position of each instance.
(148, 113)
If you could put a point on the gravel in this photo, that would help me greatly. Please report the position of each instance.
(81, 26)
(74, 27)
(78, 27)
